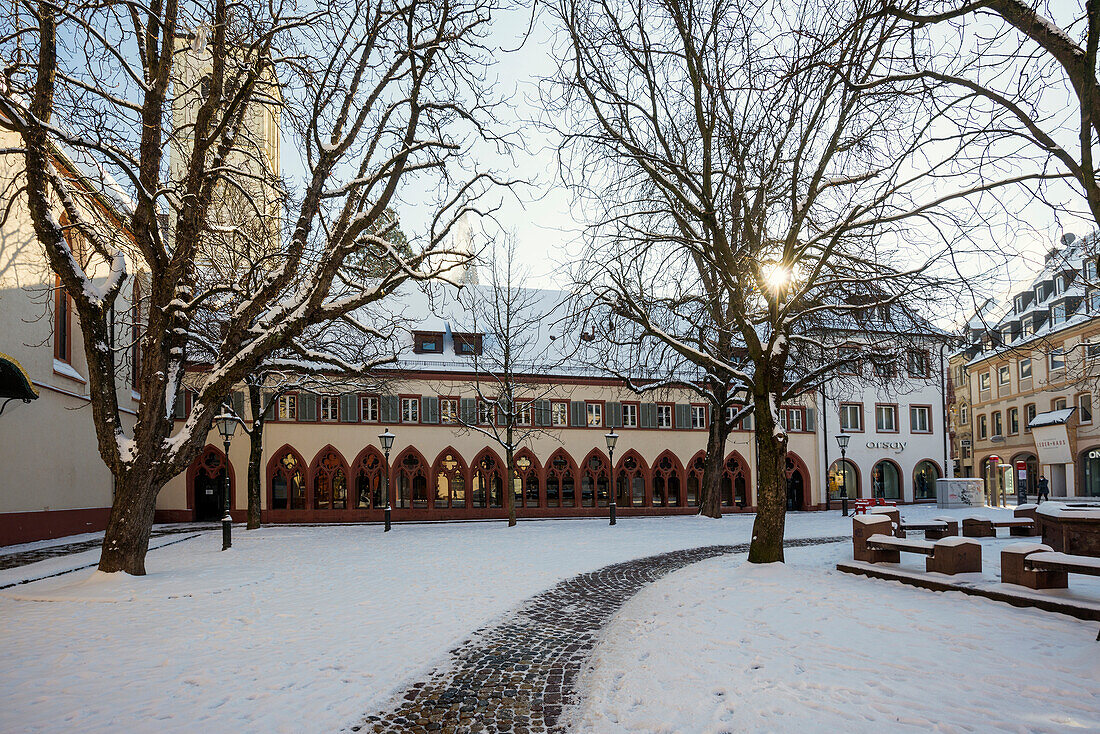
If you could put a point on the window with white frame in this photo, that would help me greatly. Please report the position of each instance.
(1094, 300)
(983, 426)
(1029, 328)
(410, 410)
(595, 414)
(920, 419)
(288, 407)
(1058, 404)
(630, 415)
(791, 418)
(1019, 304)
(698, 416)
(731, 412)
(998, 429)
(1090, 269)
(983, 381)
(886, 418)
(1029, 415)
(851, 417)
(1084, 408)
(368, 409)
(484, 413)
(1059, 285)
(1092, 350)
(1004, 375)
(1006, 335)
(1057, 359)
(664, 416)
(448, 410)
(1058, 314)
(884, 369)
(330, 408)
(559, 414)
(1038, 293)
(524, 418)
(964, 414)
(1013, 421)
(1025, 369)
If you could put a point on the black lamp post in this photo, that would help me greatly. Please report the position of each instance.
(386, 439)
(227, 425)
(611, 438)
(842, 441)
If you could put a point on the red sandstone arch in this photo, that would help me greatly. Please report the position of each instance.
(588, 478)
(733, 467)
(412, 473)
(461, 471)
(275, 466)
(795, 462)
(486, 478)
(555, 471)
(371, 465)
(667, 467)
(538, 497)
(323, 471)
(625, 476)
(201, 464)
(694, 469)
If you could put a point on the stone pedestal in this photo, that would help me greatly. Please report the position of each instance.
(955, 555)
(1013, 571)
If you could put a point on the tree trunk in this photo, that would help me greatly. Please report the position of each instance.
(771, 486)
(710, 499)
(255, 456)
(127, 538)
(509, 489)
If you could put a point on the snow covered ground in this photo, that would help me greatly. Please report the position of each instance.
(726, 646)
(300, 629)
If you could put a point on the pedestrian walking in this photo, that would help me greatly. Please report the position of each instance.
(1044, 488)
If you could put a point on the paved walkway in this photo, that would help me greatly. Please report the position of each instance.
(23, 558)
(517, 676)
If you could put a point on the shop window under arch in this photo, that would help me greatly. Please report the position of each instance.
(924, 480)
(695, 480)
(450, 483)
(412, 482)
(630, 483)
(560, 489)
(369, 474)
(666, 483)
(330, 483)
(885, 481)
(288, 484)
(594, 481)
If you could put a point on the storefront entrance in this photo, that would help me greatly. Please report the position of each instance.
(209, 496)
(795, 485)
(1090, 473)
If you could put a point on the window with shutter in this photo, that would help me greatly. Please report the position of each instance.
(577, 415)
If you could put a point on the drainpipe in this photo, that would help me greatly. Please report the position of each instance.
(943, 410)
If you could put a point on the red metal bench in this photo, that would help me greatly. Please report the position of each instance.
(862, 505)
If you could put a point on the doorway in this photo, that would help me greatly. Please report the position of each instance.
(795, 485)
(209, 496)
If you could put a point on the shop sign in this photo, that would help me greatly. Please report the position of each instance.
(1052, 443)
(897, 446)
(1094, 454)
(1021, 470)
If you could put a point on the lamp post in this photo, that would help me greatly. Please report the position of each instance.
(611, 438)
(386, 439)
(227, 425)
(842, 441)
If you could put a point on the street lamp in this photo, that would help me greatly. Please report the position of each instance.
(842, 441)
(611, 438)
(227, 426)
(386, 439)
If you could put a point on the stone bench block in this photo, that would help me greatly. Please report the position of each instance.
(955, 555)
(951, 530)
(978, 527)
(863, 527)
(1013, 571)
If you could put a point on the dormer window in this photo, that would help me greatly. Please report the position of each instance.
(467, 344)
(1006, 335)
(1058, 314)
(1020, 303)
(428, 342)
(1090, 269)
(1038, 293)
(1059, 285)
(1029, 327)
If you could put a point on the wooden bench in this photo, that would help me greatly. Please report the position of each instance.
(1038, 566)
(872, 542)
(983, 527)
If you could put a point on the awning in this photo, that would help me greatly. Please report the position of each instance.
(14, 383)
(1051, 418)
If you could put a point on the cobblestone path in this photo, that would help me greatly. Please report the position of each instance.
(23, 558)
(517, 675)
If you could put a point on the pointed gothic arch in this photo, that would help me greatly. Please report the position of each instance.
(368, 477)
(595, 479)
(631, 485)
(328, 480)
(286, 480)
(450, 477)
(668, 480)
(529, 479)
(561, 480)
(206, 484)
(410, 485)
(487, 480)
(798, 483)
(693, 487)
(736, 483)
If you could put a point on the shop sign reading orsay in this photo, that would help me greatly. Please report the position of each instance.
(897, 446)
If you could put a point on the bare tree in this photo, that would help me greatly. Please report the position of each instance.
(760, 140)
(370, 95)
(511, 402)
(1013, 57)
